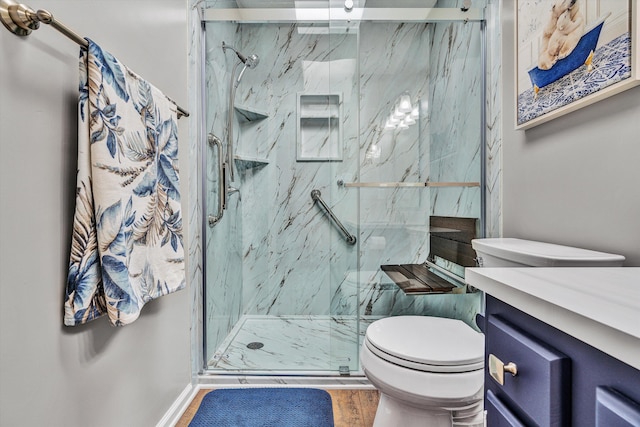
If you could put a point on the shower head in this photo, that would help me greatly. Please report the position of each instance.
(251, 61)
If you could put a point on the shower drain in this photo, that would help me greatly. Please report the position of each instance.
(255, 345)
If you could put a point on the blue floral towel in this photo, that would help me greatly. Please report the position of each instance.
(127, 233)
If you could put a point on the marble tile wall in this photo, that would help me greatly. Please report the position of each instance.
(494, 121)
(445, 79)
(454, 125)
(293, 251)
(393, 221)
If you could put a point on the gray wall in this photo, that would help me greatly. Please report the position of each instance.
(93, 374)
(573, 180)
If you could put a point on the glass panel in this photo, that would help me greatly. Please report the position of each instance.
(393, 148)
(420, 115)
(341, 67)
(223, 252)
(269, 299)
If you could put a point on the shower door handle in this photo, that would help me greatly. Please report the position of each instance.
(222, 181)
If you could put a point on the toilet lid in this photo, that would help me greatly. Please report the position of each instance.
(431, 344)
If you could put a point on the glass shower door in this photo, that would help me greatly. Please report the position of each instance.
(421, 136)
(276, 260)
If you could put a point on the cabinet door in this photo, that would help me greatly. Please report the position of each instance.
(614, 409)
(540, 391)
(498, 415)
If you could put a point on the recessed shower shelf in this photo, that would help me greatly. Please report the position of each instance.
(319, 117)
(250, 114)
(244, 163)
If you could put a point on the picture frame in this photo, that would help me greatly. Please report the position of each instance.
(581, 65)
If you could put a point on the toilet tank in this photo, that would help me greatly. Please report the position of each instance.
(509, 252)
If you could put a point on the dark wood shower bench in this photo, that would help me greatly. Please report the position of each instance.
(449, 240)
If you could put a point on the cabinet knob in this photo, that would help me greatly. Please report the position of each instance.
(497, 369)
(512, 368)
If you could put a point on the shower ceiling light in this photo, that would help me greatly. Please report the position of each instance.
(403, 114)
(373, 152)
(390, 125)
(415, 113)
(397, 114)
(404, 105)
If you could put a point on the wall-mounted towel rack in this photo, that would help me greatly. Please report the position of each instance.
(21, 20)
(341, 183)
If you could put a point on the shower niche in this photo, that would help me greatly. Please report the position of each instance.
(319, 120)
(251, 121)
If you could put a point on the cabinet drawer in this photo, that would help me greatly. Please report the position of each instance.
(540, 391)
(614, 409)
(498, 415)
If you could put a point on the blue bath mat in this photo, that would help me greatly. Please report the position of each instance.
(265, 407)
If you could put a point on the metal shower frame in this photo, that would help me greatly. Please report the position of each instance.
(329, 15)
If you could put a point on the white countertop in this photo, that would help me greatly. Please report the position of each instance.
(600, 306)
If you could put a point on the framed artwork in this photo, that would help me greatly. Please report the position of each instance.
(572, 53)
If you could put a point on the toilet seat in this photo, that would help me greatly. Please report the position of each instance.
(427, 344)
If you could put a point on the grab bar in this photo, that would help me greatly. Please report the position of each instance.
(222, 182)
(317, 197)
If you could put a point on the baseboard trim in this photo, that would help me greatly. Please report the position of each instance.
(208, 381)
(179, 406)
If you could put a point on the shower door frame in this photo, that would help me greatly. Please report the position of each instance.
(274, 15)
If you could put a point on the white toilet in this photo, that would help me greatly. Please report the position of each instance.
(509, 252)
(429, 370)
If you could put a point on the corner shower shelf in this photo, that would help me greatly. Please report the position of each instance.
(244, 163)
(250, 114)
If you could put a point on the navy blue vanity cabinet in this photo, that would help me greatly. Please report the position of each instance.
(559, 381)
(615, 409)
(542, 377)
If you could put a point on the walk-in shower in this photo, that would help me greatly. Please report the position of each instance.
(356, 127)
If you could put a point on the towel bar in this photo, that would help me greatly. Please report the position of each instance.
(341, 183)
(21, 20)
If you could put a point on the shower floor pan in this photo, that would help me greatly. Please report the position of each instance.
(268, 344)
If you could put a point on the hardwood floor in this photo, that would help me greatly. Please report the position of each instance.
(354, 408)
(351, 408)
(191, 410)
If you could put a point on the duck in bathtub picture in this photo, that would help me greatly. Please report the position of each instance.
(561, 34)
(569, 50)
(565, 44)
